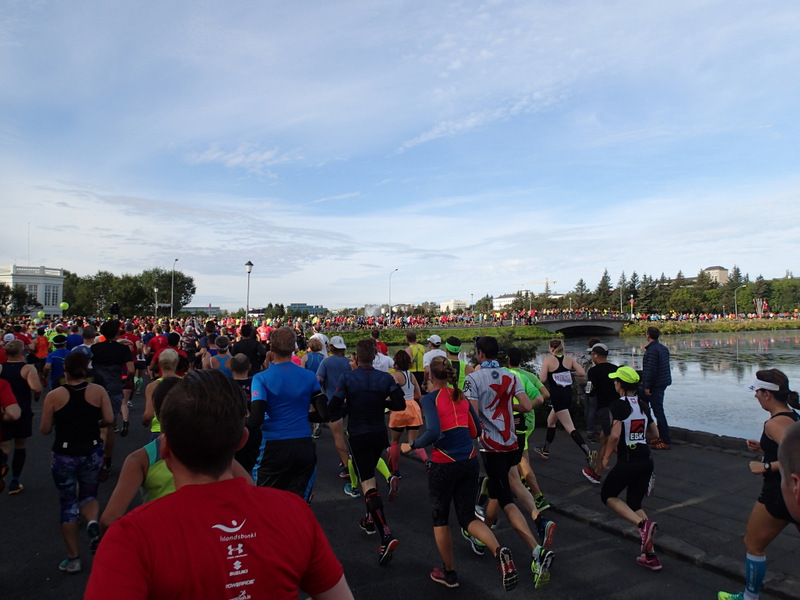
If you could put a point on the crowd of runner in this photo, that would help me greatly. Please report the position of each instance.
(292, 380)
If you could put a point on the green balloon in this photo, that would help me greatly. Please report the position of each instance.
(64, 305)
(41, 313)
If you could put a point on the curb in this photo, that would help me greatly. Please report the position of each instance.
(779, 584)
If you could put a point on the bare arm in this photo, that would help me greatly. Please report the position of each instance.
(12, 412)
(131, 477)
(579, 370)
(105, 405)
(33, 381)
(149, 409)
(46, 424)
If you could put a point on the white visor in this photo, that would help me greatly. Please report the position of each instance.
(762, 385)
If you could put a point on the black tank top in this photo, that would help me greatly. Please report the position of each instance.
(12, 373)
(76, 424)
(770, 446)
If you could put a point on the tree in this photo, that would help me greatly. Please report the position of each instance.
(646, 295)
(785, 295)
(633, 285)
(22, 302)
(704, 282)
(581, 292)
(602, 294)
(484, 305)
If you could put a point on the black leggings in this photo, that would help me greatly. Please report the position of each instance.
(632, 475)
(455, 482)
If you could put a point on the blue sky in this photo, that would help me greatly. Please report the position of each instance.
(473, 146)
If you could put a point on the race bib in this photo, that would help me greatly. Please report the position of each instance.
(563, 379)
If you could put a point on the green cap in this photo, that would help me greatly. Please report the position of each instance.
(626, 374)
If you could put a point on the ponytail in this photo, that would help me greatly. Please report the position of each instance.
(442, 370)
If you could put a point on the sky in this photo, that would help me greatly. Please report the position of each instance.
(475, 147)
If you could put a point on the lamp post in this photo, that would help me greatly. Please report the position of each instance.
(736, 302)
(155, 304)
(390, 291)
(172, 291)
(249, 266)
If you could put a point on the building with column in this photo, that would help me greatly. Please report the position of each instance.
(43, 283)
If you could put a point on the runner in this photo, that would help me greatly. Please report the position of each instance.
(24, 380)
(603, 391)
(631, 426)
(410, 419)
(769, 515)
(556, 374)
(74, 410)
(453, 477)
(366, 392)
(492, 392)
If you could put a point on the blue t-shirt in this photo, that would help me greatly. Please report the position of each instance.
(286, 390)
(74, 339)
(330, 371)
(56, 361)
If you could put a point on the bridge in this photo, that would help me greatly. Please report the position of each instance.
(579, 327)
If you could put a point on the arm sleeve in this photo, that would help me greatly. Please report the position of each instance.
(433, 426)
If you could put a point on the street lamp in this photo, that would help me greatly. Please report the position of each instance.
(390, 292)
(155, 304)
(249, 266)
(172, 291)
(736, 302)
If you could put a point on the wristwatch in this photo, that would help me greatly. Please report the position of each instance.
(767, 466)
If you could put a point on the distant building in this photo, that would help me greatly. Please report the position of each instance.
(316, 309)
(452, 306)
(44, 284)
(503, 301)
(717, 274)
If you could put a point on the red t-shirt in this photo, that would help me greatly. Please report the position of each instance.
(180, 372)
(7, 398)
(158, 342)
(220, 540)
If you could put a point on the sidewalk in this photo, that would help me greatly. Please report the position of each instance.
(703, 496)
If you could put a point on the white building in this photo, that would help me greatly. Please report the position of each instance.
(503, 301)
(717, 274)
(46, 285)
(452, 306)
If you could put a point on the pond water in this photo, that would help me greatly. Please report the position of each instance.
(708, 374)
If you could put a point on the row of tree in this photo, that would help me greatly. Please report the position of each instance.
(662, 295)
(132, 294)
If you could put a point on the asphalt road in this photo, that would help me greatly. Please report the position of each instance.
(589, 564)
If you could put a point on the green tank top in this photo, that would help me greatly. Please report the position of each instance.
(417, 352)
(159, 481)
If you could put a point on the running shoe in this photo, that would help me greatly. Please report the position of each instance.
(344, 474)
(394, 487)
(124, 431)
(729, 596)
(648, 532)
(351, 491)
(70, 565)
(546, 530)
(659, 444)
(540, 567)
(397, 474)
(448, 578)
(130, 404)
(367, 525)
(388, 546)
(541, 502)
(317, 429)
(591, 475)
(478, 547)
(15, 487)
(480, 512)
(650, 561)
(591, 458)
(105, 473)
(93, 529)
(506, 565)
(542, 451)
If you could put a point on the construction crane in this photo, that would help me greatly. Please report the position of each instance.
(546, 283)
